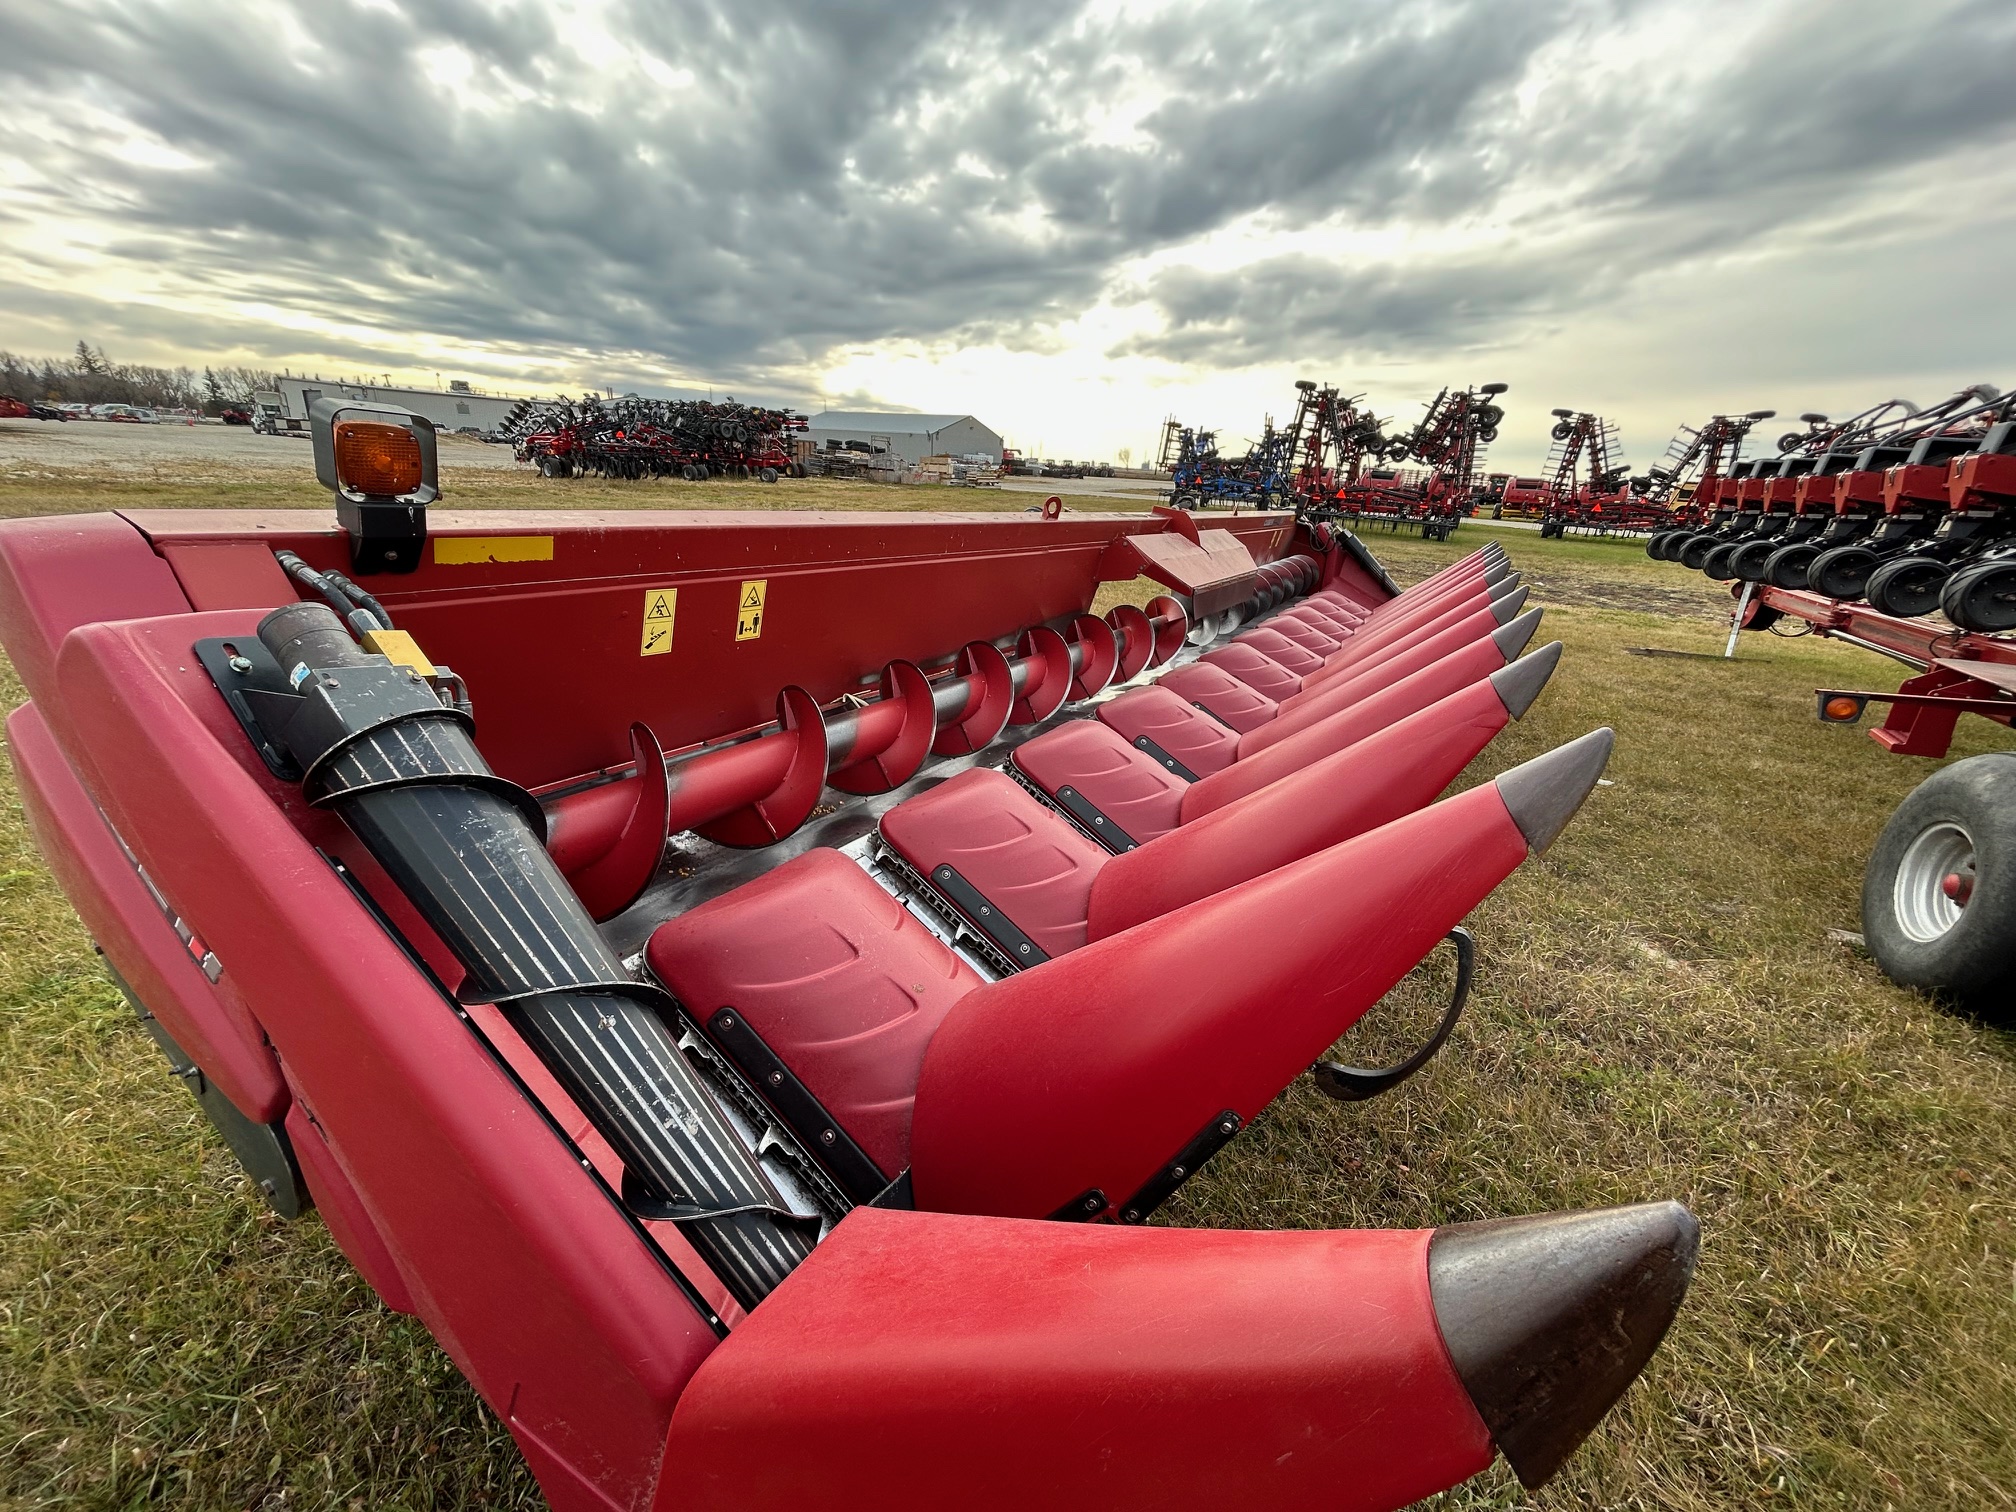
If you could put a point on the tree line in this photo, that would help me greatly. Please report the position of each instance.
(88, 376)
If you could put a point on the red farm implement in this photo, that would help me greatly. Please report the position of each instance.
(1939, 892)
(1688, 481)
(635, 438)
(1329, 442)
(1913, 511)
(757, 1055)
(1433, 497)
(1585, 488)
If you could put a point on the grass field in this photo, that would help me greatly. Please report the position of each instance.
(1660, 1012)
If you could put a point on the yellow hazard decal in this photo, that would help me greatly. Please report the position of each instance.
(661, 606)
(749, 609)
(467, 551)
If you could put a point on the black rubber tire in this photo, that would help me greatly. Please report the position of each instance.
(1971, 963)
(1719, 563)
(1907, 586)
(1788, 564)
(1486, 434)
(1667, 543)
(768, 475)
(1694, 554)
(1747, 562)
(1982, 596)
(1562, 431)
(1842, 572)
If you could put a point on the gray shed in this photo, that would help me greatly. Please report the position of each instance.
(911, 437)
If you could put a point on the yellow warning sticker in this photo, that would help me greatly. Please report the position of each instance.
(467, 551)
(661, 607)
(749, 609)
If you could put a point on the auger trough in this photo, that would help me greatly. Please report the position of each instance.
(747, 980)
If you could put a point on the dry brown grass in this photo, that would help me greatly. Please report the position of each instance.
(1659, 1012)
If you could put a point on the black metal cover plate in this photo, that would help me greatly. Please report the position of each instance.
(984, 916)
(817, 1130)
(1158, 1189)
(261, 687)
(1145, 744)
(1099, 826)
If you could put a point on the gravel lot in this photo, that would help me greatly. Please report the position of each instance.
(143, 448)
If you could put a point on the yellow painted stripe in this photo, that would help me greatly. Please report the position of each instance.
(461, 551)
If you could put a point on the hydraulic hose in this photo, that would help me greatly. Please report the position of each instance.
(402, 770)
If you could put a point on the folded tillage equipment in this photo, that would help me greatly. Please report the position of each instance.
(757, 1055)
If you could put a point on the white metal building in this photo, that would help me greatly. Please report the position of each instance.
(911, 437)
(450, 409)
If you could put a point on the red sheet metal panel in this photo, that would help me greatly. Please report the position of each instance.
(227, 574)
(1148, 1035)
(207, 1019)
(835, 975)
(1215, 571)
(62, 571)
(546, 1299)
(842, 596)
(929, 1360)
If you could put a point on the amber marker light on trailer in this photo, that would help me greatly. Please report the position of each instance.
(1840, 709)
(381, 464)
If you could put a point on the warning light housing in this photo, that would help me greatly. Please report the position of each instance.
(381, 463)
(1840, 708)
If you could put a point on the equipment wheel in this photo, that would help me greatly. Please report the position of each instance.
(1842, 572)
(1719, 563)
(1787, 565)
(1658, 541)
(768, 475)
(1487, 434)
(1907, 586)
(551, 467)
(1694, 555)
(1562, 431)
(1939, 894)
(1747, 562)
(1982, 597)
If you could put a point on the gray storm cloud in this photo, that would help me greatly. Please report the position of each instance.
(740, 192)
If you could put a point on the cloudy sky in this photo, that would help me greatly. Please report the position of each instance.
(1068, 218)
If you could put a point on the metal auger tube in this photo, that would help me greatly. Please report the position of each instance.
(465, 847)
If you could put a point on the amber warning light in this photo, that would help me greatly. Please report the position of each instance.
(379, 460)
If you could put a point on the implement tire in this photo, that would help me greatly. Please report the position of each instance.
(1907, 587)
(1842, 572)
(1939, 894)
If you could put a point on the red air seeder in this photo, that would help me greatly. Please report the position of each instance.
(751, 1005)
